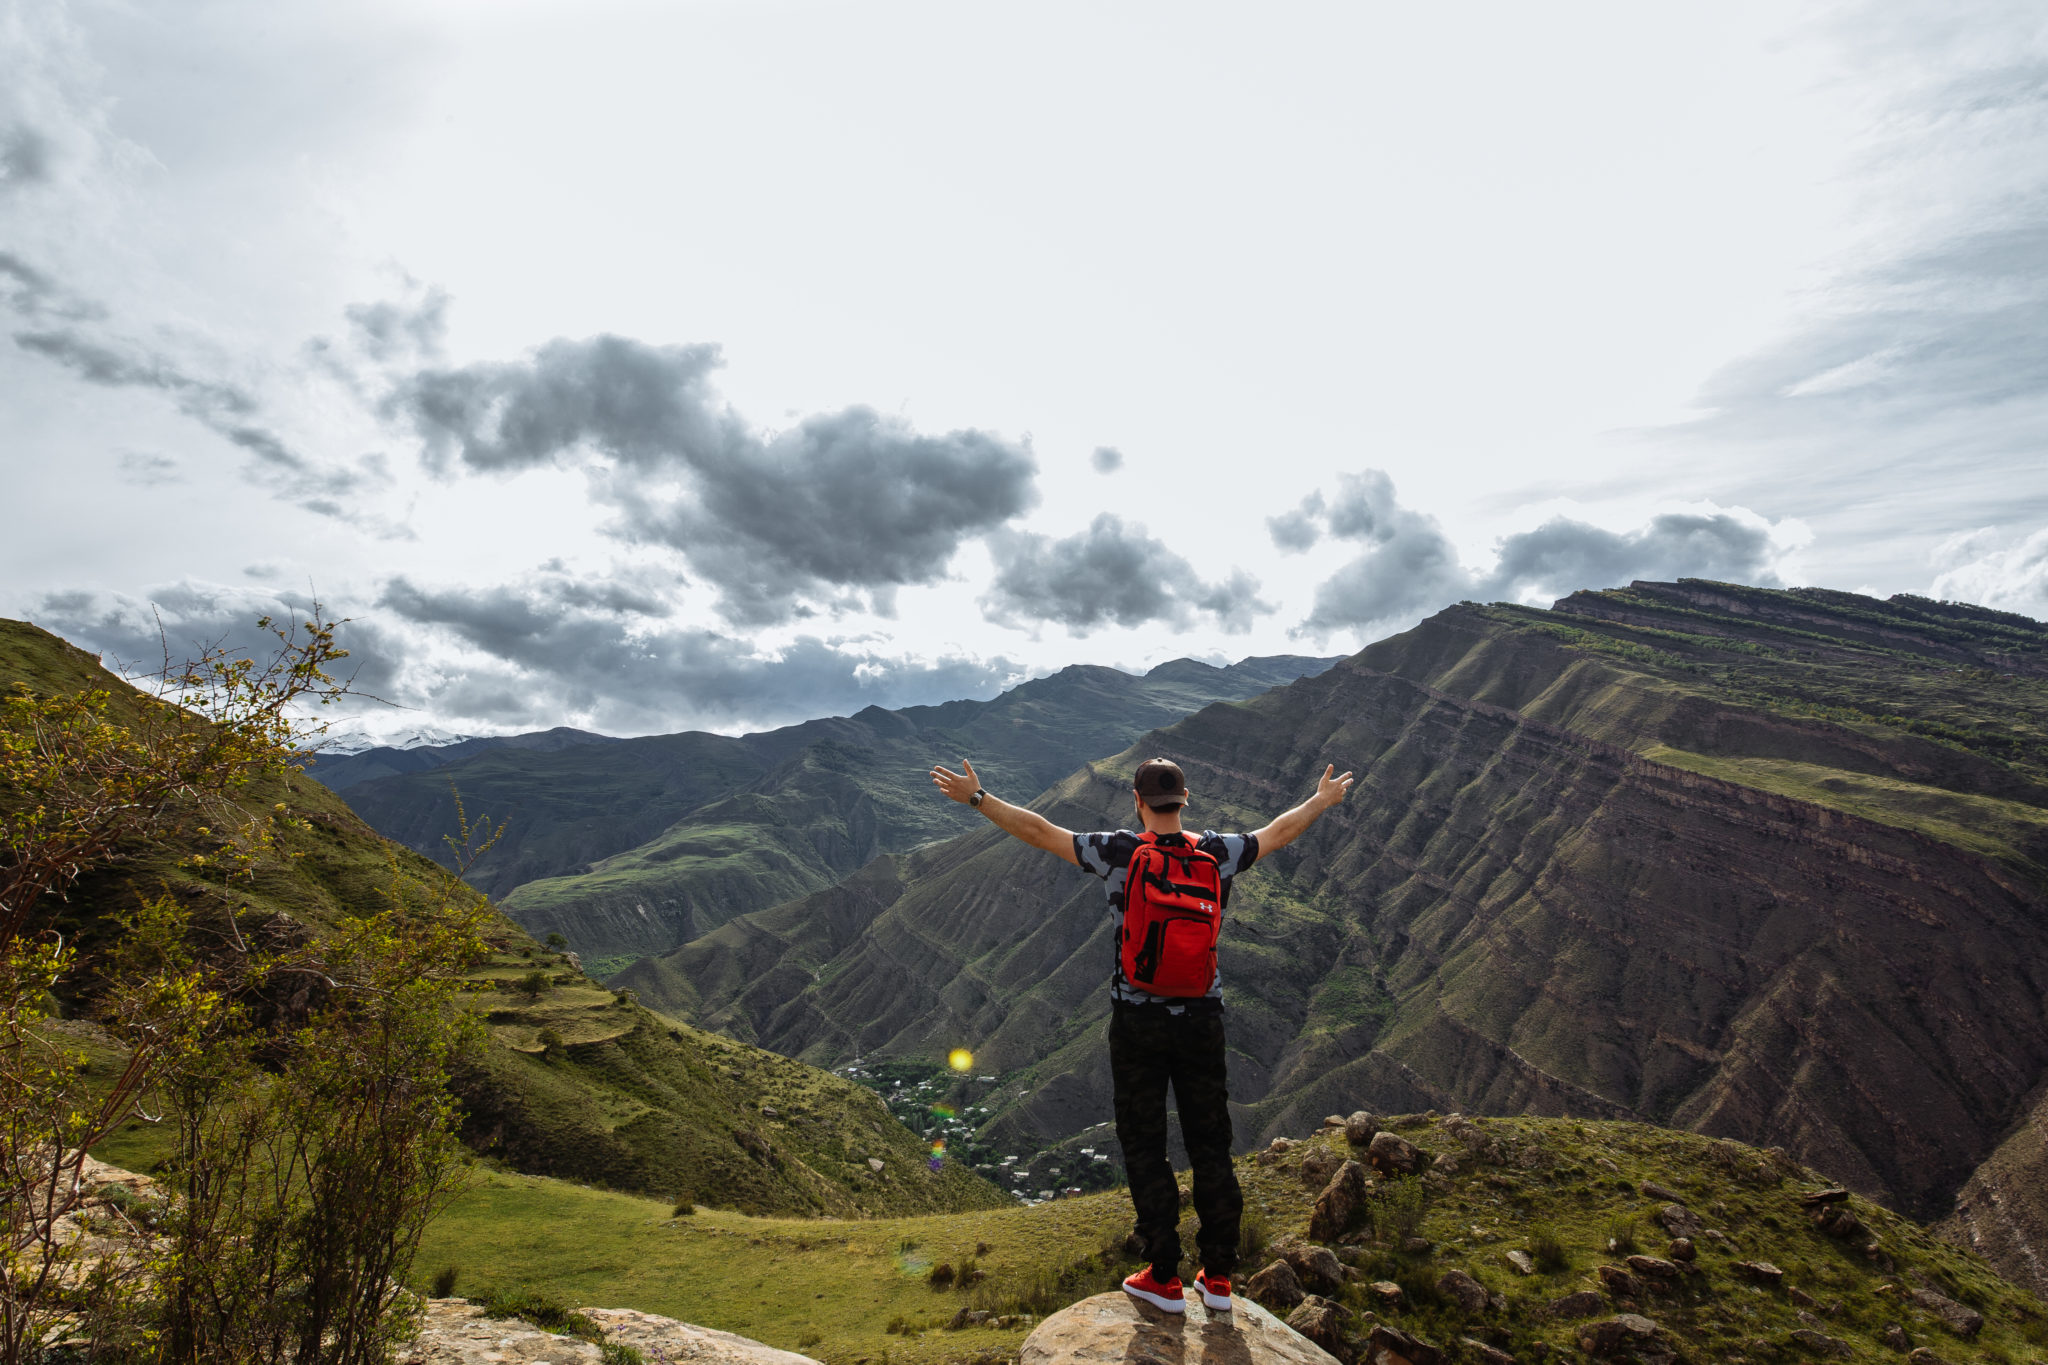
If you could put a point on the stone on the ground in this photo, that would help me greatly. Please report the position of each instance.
(1619, 1282)
(1114, 1328)
(1340, 1203)
(1389, 1345)
(1273, 1151)
(1818, 1197)
(1485, 1353)
(1682, 1250)
(1763, 1272)
(1820, 1343)
(1318, 1164)
(1316, 1266)
(1621, 1333)
(1895, 1337)
(1361, 1128)
(1386, 1294)
(659, 1337)
(1462, 1289)
(1679, 1221)
(1522, 1262)
(1582, 1304)
(1656, 1267)
(1652, 1190)
(1921, 1355)
(1277, 1286)
(1321, 1320)
(1961, 1319)
(1392, 1154)
(1333, 1121)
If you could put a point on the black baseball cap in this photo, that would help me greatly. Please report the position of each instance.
(1160, 784)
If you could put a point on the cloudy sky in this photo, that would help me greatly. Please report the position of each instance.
(649, 365)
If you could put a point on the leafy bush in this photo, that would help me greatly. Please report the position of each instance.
(1253, 1236)
(443, 1285)
(1396, 1209)
(1621, 1235)
(535, 984)
(683, 1209)
(557, 942)
(941, 1276)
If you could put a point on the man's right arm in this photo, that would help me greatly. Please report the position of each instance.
(1029, 826)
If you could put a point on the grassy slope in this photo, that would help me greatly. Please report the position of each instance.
(630, 1099)
(833, 1288)
(632, 847)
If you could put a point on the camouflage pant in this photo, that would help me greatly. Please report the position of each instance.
(1148, 1048)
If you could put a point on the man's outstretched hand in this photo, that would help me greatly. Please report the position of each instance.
(1330, 788)
(959, 787)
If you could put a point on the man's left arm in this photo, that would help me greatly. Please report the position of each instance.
(1286, 828)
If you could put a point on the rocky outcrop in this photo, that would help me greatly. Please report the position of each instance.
(456, 1332)
(1114, 1328)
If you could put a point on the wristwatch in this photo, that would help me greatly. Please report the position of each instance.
(975, 800)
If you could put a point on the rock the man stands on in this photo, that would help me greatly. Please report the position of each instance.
(1173, 1032)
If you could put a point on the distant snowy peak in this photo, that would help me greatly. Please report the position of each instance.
(342, 743)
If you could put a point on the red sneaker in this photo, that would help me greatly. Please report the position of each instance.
(1215, 1290)
(1165, 1295)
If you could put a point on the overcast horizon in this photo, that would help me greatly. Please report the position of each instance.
(643, 367)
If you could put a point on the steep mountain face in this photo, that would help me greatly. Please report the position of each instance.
(619, 1097)
(634, 846)
(1763, 865)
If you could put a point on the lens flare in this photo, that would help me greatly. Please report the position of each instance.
(945, 1111)
(938, 1153)
(960, 1059)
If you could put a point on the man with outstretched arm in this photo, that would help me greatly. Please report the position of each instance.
(1171, 1033)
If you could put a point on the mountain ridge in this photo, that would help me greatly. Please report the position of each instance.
(1722, 869)
(634, 846)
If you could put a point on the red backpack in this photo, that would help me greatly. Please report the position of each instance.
(1173, 910)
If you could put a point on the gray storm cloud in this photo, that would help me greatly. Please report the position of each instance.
(1110, 574)
(845, 501)
(1408, 567)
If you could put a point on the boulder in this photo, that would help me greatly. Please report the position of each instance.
(1583, 1304)
(1391, 1346)
(1653, 1267)
(1114, 1328)
(1618, 1335)
(1619, 1282)
(1276, 1286)
(1340, 1204)
(1522, 1262)
(1961, 1319)
(1682, 1250)
(1462, 1289)
(1321, 1320)
(1920, 1355)
(1485, 1354)
(660, 1338)
(1391, 1154)
(1386, 1294)
(1679, 1221)
(1333, 1120)
(1842, 1224)
(1652, 1190)
(1360, 1129)
(1895, 1337)
(1763, 1272)
(1317, 1267)
(1820, 1343)
(1318, 1164)
(454, 1332)
(1819, 1197)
